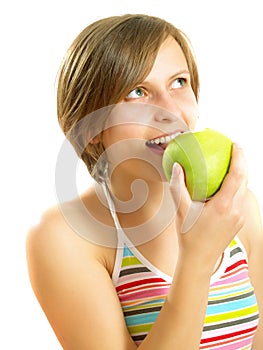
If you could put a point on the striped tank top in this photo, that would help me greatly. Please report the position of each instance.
(232, 313)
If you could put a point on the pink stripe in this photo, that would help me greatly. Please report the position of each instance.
(234, 346)
(125, 289)
(236, 278)
(233, 272)
(145, 294)
(129, 288)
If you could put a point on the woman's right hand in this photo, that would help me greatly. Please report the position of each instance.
(206, 229)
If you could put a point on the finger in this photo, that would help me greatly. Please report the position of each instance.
(238, 161)
(236, 177)
(179, 191)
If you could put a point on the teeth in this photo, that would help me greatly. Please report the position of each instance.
(163, 139)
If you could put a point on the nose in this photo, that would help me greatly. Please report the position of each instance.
(171, 110)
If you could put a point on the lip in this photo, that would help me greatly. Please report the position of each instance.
(156, 149)
(169, 133)
(159, 147)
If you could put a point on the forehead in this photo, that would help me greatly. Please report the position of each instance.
(170, 59)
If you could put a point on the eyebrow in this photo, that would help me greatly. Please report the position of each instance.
(182, 71)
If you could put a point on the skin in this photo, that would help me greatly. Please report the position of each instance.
(71, 276)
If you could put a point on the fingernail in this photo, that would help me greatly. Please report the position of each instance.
(177, 168)
(237, 145)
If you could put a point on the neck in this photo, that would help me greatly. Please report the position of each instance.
(145, 208)
(136, 193)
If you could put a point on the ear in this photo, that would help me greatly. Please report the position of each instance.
(95, 140)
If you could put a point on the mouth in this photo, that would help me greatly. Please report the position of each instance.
(160, 143)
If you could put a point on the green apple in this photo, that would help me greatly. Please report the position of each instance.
(205, 157)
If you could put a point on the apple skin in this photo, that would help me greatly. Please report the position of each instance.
(205, 157)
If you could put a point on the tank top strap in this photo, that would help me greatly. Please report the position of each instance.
(120, 233)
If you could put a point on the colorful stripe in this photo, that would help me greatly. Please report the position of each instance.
(232, 313)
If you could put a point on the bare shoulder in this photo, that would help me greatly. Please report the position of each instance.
(80, 225)
(62, 243)
(55, 236)
(70, 275)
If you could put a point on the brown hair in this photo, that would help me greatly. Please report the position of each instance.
(104, 63)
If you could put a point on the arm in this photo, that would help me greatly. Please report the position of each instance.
(252, 236)
(74, 288)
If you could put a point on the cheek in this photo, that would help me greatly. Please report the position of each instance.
(121, 133)
(191, 110)
(122, 144)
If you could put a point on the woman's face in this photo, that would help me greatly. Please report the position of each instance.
(162, 105)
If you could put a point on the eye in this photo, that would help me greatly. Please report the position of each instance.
(178, 83)
(136, 93)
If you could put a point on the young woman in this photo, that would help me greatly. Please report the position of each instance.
(134, 262)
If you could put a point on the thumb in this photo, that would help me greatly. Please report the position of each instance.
(179, 191)
(188, 211)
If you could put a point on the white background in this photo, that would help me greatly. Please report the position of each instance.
(227, 38)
